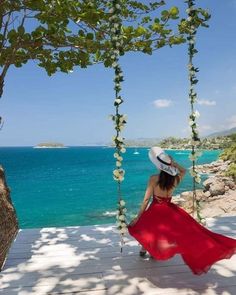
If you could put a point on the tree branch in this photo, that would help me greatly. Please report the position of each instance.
(2, 77)
(5, 30)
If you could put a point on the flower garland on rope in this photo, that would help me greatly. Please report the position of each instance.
(118, 119)
(193, 25)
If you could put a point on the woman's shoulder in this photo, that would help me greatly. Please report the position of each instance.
(154, 178)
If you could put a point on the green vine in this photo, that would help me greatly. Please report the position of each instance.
(118, 119)
(192, 23)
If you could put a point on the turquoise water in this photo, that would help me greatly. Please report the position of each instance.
(74, 186)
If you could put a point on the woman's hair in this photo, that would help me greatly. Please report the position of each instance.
(167, 181)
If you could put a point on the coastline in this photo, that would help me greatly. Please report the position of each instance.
(218, 196)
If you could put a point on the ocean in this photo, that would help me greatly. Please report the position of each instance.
(75, 186)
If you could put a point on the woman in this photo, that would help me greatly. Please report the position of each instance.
(163, 229)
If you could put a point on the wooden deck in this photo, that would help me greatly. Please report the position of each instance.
(87, 260)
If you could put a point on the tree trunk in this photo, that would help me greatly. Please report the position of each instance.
(8, 219)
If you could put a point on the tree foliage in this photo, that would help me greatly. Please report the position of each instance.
(229, 154)
(61, 34)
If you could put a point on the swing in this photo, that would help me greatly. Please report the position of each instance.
(192, 23)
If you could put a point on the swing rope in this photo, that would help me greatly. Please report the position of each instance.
(192, 23)
(118, 119)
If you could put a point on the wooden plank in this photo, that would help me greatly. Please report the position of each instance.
(84, 265)
(50, 284)
(172, 280)
(104, 229)
(95, 253)
(225, 230)
(60, 260)
(70, 230)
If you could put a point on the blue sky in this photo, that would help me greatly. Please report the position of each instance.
(74, 108)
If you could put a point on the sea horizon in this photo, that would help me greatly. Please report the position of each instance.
(75, 186)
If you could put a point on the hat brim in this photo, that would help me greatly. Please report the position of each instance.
(153, 154)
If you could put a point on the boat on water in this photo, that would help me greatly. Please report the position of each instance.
(136, 152)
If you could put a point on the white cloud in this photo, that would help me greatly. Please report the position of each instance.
(231, 122)
(206, 102)
(162, 103)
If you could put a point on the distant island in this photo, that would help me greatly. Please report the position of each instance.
(48, 145)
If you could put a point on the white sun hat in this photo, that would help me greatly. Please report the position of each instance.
(162, 161)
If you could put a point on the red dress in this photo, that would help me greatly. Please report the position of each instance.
(165, 229)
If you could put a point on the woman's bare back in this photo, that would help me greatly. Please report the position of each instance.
(157, 191)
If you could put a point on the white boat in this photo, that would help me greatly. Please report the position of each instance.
(136, 152)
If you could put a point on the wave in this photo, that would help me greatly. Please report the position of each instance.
(109, 213)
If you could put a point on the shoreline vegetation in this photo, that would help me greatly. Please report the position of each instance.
(174, 143)
(218, 196)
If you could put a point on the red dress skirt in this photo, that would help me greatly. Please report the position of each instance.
(165, 229)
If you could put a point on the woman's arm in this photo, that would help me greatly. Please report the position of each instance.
(147, 196)
(181, 169)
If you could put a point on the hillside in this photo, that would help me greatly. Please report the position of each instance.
(223, 133)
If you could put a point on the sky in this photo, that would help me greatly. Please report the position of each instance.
(73, 109)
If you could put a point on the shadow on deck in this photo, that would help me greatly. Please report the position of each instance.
(87, 260)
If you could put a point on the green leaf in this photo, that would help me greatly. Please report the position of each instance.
(89, 36)
(21, 30)
(174, 11)
(140, 31)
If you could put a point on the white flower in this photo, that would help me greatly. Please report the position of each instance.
(123, 230)
(124, 210)
(118, 164)
(123, 118)
(198, 179)
(122, 217)
(119, 158)
(119, 138)
(114, 64)
(123, 150)
(196, 114)
(116, 173)
(193, 173)
(116, 155)
(191, 122)
(111, 10)
(124, 225)
(118, 101)
(122, 203)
